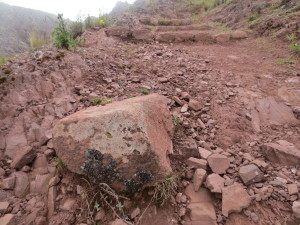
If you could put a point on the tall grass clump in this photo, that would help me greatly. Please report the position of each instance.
(36, 40)
(204, 4)
(62, 38)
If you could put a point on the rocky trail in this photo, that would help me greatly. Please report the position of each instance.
(235, 110)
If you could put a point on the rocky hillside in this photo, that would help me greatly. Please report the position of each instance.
(16, 23)
(169, 121)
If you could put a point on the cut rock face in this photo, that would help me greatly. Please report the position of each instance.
(124, 144)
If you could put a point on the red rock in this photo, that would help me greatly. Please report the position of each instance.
(118, 222)
(135, 134)
(24, 157)
(218, 163)
(52, 193)
(205, 38)
(4, 207)
(234, 199)
(222, 38)
(22, 184)
(8, 219)
(215, 183)
(199, 178)
(282, 152)
(251, 174)
(292, 189)
(118, 31)
(8, 183)
(196, 163)
(142, 34)
(239, 34)
(195, 105)
(40, 184)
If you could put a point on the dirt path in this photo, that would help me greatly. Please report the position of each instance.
(231, 99)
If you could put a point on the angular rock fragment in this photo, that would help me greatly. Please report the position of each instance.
(292, 189)
(196, 163)
(250, 174)
(199, 178)
(296, 209)
(24, 157)
(204, 154)
(215, 183)
(125, 144)
(282, 152)
(8, 183)
(22, 184)
(195, 105)
(8, 219)
(234, 199)
(218, 163)
(201, 206)
(4, 207)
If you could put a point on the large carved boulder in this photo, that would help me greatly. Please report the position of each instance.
(125, 144)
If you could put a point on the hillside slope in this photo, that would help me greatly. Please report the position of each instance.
(16, 23)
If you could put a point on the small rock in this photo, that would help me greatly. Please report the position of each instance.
(8, 183)
(178, 101)
(204, 154)
(195, 105)
(215, 183)
(250, 174)
(21, 184)
(100, 215)
(185, 96)
(118, 222)
(41, 220)
(234, 199)
(199, 178)
(296, 209)
(8, 219)
(196, 163)
(24, 157)
(254, 217)
(68, 204)
(184, 108)
(182, 211)
(135, 213)
(218, 163)
(292, 189)
(4, 207)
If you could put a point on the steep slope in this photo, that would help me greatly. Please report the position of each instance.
(16, 23)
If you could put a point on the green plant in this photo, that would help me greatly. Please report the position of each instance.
(295, 43)
(36, 40)
(62, 39)
(176, 121)
(2, 60)
(97, 101)
(59, 163)
(163, 22)
(165, 189)
(283, 61)
(76, 27)
(251, 18)
(145, 91)
(107, 101)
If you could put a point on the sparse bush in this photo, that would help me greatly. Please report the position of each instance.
(36, 40)
(62, 37)
(176, 121)
(77, 27)
(165, 189)
(205, 5)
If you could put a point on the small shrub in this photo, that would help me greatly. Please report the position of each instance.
(62, 37)
(76, 27)
(165, 189)
(176, 121)
(97, 101)
(295, 44)
(59, 163)
(36, 40)
(251, 18)
(162, 22)
(2, 60)
(145, 91)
